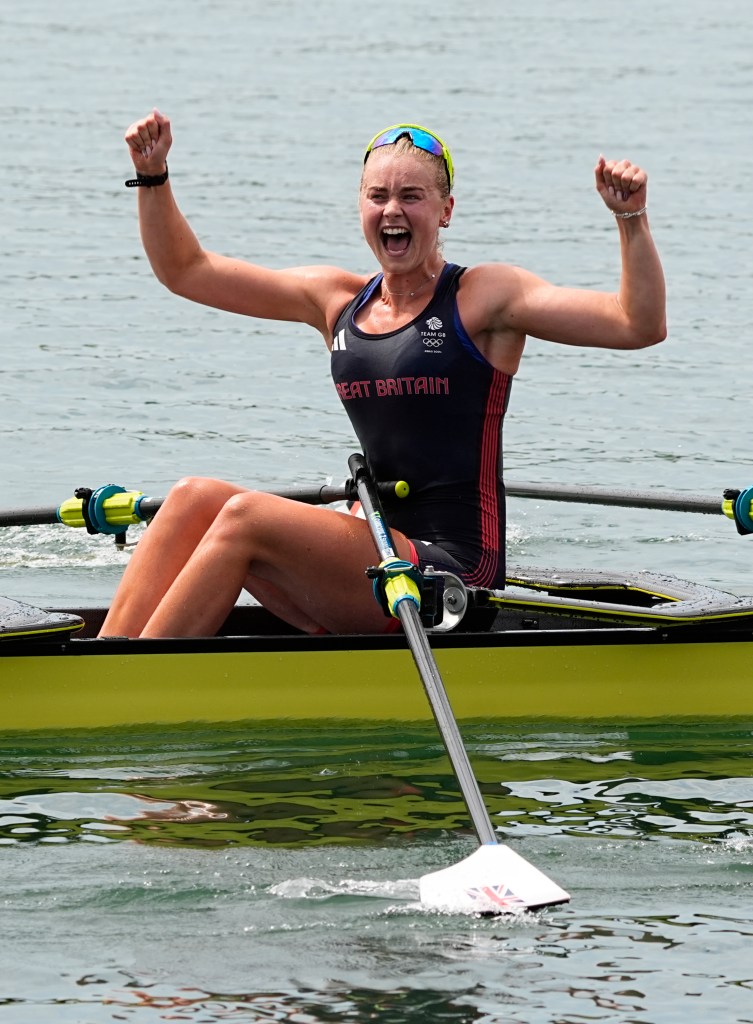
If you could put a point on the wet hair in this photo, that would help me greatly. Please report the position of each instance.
(404, 145)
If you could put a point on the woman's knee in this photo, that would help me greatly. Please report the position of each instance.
(244, 510)
(192, 488)
(198, 496)
(253, 520)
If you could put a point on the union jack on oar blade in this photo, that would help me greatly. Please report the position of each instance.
(492, 880)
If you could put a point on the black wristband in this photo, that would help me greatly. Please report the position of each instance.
(147, 180)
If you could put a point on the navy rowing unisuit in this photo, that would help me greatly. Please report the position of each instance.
(428, 408)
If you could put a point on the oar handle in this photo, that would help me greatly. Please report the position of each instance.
(368, 495)
(410, 618)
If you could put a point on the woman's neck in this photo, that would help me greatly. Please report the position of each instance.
(404, 288)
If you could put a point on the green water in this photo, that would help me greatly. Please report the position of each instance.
(270, 873)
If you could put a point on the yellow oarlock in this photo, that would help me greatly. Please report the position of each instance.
(400, 581)
(738, 506)
(111, 509)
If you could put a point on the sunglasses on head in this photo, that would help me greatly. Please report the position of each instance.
(421, 138)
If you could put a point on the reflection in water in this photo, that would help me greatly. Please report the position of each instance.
(366, 784)
(400, 1006)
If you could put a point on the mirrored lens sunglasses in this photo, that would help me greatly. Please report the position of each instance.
(422, 138)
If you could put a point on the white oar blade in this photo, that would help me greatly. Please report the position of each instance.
(493, 880)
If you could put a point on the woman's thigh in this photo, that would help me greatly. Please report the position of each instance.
(316, 558)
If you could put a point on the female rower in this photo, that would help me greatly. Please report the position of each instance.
(422, 355)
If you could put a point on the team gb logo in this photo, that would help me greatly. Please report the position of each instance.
(434, 323)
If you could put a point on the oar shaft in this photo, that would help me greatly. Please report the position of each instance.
(28, 517)
(325, 494)
(418, 643)
(670, 501)
(410, 619)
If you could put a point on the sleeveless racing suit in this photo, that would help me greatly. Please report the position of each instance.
(428, 408)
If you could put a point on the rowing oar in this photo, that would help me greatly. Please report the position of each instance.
(735, 504)
(494, 879)
(111, 509)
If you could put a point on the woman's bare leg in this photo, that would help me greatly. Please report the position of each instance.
(279, 604)
(167, 544)
(315, 558)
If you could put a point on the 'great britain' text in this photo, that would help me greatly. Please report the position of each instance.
(393, 386)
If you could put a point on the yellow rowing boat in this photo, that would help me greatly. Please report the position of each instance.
(570, 646)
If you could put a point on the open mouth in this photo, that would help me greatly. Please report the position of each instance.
(395, 240)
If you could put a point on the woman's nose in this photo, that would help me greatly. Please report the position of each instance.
(393, 207)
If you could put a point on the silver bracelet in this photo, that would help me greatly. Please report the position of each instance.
(635, 213)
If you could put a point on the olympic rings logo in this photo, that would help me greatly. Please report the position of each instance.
(433, 342)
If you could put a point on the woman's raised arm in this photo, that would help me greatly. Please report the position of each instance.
(179, 261)
(509, 303)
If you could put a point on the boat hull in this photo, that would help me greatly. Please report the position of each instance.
(621, 674)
